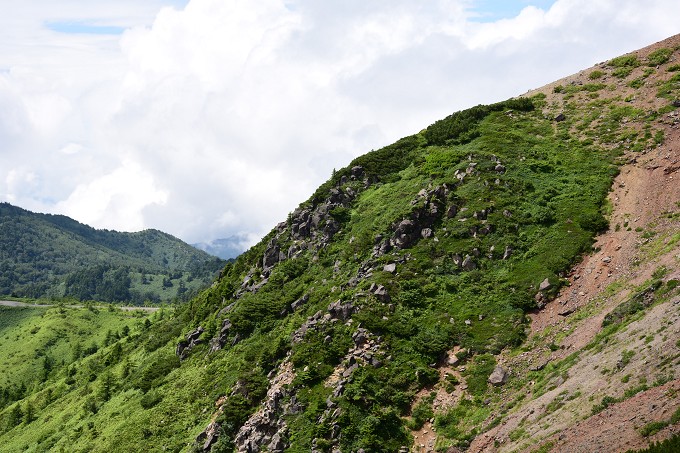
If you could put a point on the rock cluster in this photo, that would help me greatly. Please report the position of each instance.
(219, 341)
(365, 351)
(185, 346)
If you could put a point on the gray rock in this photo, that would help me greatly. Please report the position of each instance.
(381, 293)
(426, 233)
(357, 172)
(209, 436)
(271, 255)
(560, 117)
(499, 376)
(545, 285)
(340, 310)
(391, 268)
(567, 311)
(300, 302)
(468, 263)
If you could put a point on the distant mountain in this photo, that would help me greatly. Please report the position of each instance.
(225, 248)
(54, 256)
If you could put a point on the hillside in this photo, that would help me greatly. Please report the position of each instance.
(505, 279)
(53, 256)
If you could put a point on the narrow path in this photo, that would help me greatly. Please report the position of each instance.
(14, 303)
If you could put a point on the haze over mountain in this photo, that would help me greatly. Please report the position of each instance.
(505, 279)
(225, 248)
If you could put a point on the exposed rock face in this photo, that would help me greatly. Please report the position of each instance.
(272, 255)
(499, 376)
(265, 430)
(366, 351)
(429, 207)
(184, 347)
(468, 263)
(221, 339)
(209, 436)
(341, 310)
(316, 222)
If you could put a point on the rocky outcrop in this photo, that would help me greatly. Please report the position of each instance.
(341, 310)
(316, 222)
(429, 206)
(185, 346)
(266, 429)
(219, 341)
(209, 436)
(380, 292)
(272, 255)
(365, 351)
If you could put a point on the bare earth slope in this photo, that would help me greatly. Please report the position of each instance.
(600, 390)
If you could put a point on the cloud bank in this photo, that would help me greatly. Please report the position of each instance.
(215, 118)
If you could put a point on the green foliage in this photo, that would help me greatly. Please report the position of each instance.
(659, 56)
(596, 74)
(477, 373)
(634, 304)
(152, 373)
(422, 412)
(625, 61)
(652, 428)
(669, 445)
(461, 127)
(670, 88)
(151, 399)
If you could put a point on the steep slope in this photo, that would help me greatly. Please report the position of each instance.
(425, 298)
(619, 355)
(44, 255)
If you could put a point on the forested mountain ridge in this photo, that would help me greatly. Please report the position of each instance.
(54, 256)
(505, 279)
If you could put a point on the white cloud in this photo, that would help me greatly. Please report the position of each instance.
(217, 119)
(115, 198)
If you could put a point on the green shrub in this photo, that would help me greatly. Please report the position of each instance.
(659, 56)
(652, 428)
(478, 372)
(150, 399)
(625, 61)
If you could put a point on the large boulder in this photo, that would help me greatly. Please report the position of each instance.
(499, 376)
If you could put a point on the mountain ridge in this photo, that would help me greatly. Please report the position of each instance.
(41, 253)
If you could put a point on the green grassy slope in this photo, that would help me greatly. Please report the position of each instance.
(44, 255)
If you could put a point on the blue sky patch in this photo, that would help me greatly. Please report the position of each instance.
(84, 28)
(493, 10)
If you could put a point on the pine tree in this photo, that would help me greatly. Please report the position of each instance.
(29, 414)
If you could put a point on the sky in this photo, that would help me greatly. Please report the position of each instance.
(213, 119)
